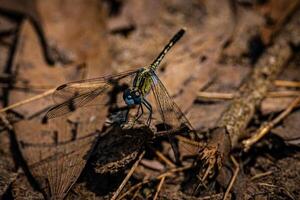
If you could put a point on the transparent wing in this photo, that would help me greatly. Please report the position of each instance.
(174, 120)
(73, 95)
(54, 155)
(170, 113)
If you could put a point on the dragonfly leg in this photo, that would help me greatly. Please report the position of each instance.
(138, 114)
(126, 115)
(149, 107)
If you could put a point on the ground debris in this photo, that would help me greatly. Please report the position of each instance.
(221, 74)
(231, 127)
(119, 148)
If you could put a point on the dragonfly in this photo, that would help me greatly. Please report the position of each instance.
(79, 93)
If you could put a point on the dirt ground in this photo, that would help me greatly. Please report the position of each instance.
(228, 127)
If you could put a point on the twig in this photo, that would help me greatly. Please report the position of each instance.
(168, 173)
(278, 83)
(231, 125)
(48, 92)
(162, 180)
(214, 196)
(215, 95)
(239, 113)
(265, 128)
(283, 83)
(257, 176)
(209, 197)
(228, 96)
(236, 164)
(190, 142)
(136, 186)
(288, 93)
(136, 193)
(116, 194)
(174, 170)
(164, 158)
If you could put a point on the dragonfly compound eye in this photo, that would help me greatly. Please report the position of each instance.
(127, 96)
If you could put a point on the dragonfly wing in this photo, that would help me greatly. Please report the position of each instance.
(74, 103)
(74, 89)
(55, 155)
(168, 109)
(173, 118)
(73, 95)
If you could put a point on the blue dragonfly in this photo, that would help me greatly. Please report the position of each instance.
(75, 95)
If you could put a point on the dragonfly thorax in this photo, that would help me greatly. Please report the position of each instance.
(143, 81)
(132, 96)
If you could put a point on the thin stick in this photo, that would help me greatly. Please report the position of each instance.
(168, 173)
(136, 186)
(162, 180)
(265, 128)
(116, 194)
(164, 158)
(215, 95)
(237, 169)
(213, 196)
(257, 176)
(288, 93)
(48, 92)
(136, 193)
(228, 96)
(190, 142)
(283, 83)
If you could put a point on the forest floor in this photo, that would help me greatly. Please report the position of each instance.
(234, 74)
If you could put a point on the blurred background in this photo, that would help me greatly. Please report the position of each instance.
(45, 43)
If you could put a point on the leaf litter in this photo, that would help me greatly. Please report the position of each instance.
(210, 58)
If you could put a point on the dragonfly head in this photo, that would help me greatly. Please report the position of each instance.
(132, 97)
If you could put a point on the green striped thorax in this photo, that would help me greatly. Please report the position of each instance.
(141, 87)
